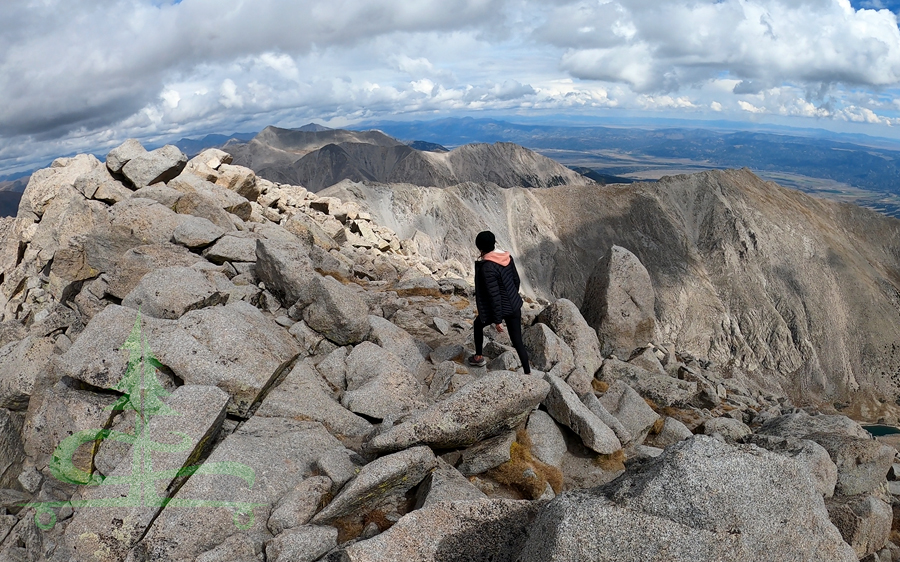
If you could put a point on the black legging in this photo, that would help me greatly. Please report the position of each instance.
(514, 326)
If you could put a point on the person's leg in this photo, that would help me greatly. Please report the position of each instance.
(514, 327)
(479, 336)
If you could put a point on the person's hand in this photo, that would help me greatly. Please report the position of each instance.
(499, 328)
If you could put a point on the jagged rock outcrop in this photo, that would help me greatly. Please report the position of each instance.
(619, 303)
(798, 292)
(700, 500)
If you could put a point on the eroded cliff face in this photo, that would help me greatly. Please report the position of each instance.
(797, 291)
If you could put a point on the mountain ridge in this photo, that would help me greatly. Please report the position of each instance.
(318, 159)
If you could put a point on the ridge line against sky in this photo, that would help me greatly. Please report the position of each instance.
(81, 76)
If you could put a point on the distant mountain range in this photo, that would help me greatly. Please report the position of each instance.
(317, 159)
(867, 174)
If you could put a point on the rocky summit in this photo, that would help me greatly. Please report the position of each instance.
(200, 364)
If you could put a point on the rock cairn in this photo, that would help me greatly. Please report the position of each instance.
(198, 364)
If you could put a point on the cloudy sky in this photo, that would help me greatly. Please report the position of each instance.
(82, 75)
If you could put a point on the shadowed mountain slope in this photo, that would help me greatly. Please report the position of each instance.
(318, 159)
(765, 279)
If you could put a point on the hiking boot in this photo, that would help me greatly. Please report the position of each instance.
(477, 361)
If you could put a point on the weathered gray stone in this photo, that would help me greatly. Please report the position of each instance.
(54, 318)
(160, 165)
(619, 303)
(111, 192)
(566, 321)
(443, 376)
(211, 158)
(194, 414)
(700, 500)
(161, 193)
(487, 454)
(809, 453)
(57, 412)
(233, 347)
(303, 395)
(95, 357)
(302, 544)
(20, 363)
(466, 531)
(311, 342)
(304, 227)
(124, 153)
(170, 292)
(299, 505)
(236, 548)
(662, 389)
(47, 184)
(548, 444)
(862, 464)
(335, 311)
(379, 386)
(728, 428)
(483, 408)
(338, 466)
(239, 179)
(506, 361)
(145, 220)
(646, 359)
(232, 247)
(801, 424)
(12, 452)
(196, 232)
(579, 379)
(446, 353)
(565, 407)
(446, 484)
(546, 349)
(200, 205)
(334, 368)
(11, 331)
(90, 183)
(630, 409)
(378, 481)
(224, 199)
(672, 432)
(863, 521)
(708, 394)
(131, 267)
(441, 325)
(397, 341)
(285, 268)
(260, 444)
(622, 433)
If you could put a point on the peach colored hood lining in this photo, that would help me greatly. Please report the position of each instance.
(501, 258)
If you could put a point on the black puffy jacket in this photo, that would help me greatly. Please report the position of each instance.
(496, 290)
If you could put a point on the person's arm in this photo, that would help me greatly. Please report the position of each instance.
(515, 272)
(495, 289)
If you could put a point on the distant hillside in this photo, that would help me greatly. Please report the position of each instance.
(192, 147)
(11, 194)
(602, 179)
(318, 159)
(427, 146)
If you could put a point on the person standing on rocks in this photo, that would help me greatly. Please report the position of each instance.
(497, 298)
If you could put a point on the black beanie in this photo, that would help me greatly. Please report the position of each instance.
(485, 241)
